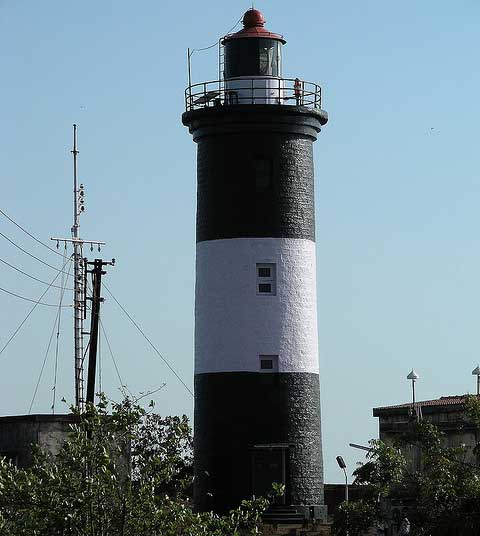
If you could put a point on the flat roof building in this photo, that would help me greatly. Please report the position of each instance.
(18, 433)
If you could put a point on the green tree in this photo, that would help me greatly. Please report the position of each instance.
(444, 490)
(122, 471)
(355, 518)
(384, 471)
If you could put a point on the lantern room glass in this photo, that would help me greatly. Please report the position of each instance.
(253, 57)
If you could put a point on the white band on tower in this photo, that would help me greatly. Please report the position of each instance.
(237, 322)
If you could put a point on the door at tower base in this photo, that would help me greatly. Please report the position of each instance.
(269, 464)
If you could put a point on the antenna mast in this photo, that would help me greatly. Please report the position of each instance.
(79, 276)
(79, 288)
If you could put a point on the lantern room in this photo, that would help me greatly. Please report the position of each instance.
(253, 51)
(253, 63)
(250, 72)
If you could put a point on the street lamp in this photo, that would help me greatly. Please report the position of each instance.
(476, 372)
(413, 376)
(343, 465)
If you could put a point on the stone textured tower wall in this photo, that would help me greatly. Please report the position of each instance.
(255, 207)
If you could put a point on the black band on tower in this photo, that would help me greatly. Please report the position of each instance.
(251, 184)
(239, 417)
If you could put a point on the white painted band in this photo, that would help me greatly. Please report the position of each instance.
(234, 325)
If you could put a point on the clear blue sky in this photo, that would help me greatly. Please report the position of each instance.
(397, 190)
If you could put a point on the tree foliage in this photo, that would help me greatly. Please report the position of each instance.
(122, 471)
(355, 518)
(442, 489)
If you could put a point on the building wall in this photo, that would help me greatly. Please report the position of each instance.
(450, 420)
(19, 433)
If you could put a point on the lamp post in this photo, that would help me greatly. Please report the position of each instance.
(413, 376)
(343, 465)
(476, 372)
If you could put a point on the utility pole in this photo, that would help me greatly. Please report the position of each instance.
(97, 273)
(79, 276)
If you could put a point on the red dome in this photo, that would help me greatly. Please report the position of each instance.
(253, 26)
(253, 18)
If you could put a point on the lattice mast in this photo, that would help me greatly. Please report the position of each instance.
(79, 276)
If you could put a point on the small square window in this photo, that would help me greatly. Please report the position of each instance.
(265, 288)
(266, 279)
(268, 363)
(264, 271)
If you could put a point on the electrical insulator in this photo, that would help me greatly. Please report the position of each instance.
(81, 200)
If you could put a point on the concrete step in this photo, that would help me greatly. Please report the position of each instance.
(284, 516)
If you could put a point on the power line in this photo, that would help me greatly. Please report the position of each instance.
(44, 360)
(54, 389)
(30, 312)
(123, 387)
(30, 254)
(36, 302)
(31, 276)
(216, 42)
(68, 274)
(30, 234)
(149, 341)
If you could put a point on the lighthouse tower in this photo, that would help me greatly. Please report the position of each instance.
(257, 400)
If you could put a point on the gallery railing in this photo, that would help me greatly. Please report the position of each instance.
(255, 90)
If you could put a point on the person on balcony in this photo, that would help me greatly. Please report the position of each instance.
(297, 90)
